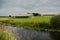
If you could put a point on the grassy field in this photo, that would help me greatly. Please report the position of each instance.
(33, 23)
(34, 19)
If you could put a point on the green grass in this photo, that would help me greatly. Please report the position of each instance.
(29, 23)
(34, 19)
(5, 35)
(36, 23)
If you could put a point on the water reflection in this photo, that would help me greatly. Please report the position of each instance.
(27, 34)
(55, 35)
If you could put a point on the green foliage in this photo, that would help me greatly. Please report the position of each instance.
(37, 22)
(10, 16)
(36, 14)
(5, 35)
(32, 25)
(2, 36)
(44, 25)
(55, 22)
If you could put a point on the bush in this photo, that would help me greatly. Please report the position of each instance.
(55, 22)
(44, 25)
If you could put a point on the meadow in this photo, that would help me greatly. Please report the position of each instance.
(34, 19)
(36, 23)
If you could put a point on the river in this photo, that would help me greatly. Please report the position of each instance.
(28, 34)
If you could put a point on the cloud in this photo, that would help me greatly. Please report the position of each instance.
(44, 1)
(12, 11)
(1, 3)
(14, 7)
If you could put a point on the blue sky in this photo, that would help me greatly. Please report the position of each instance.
(15, 7)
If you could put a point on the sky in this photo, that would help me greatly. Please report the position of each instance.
(15, 7)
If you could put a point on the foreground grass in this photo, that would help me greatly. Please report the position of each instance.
(5, 35)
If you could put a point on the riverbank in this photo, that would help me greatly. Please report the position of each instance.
(37, 23)
(47, 30)
(6, 35)
(29, 34)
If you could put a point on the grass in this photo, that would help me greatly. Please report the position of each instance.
(36, 23)
(34, 19)
(5, 35)
(29, 23)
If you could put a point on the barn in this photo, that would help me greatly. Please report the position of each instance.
(24, 16)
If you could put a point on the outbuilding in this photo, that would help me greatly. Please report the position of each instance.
(24, 16)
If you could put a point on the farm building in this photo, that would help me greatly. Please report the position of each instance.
(24, 16)
(49, 14)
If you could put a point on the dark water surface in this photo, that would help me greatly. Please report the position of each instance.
(26, 34)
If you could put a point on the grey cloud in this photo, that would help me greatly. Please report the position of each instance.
(1, 3)
(15, 7)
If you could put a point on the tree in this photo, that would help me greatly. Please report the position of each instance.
(9, 15)
(36, 14)
(55, 22)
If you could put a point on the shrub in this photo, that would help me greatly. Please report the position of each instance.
(55, 22)
(44, 25)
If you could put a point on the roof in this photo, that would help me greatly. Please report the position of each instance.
(24, 14)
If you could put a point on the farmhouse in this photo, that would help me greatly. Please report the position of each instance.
(24, 15)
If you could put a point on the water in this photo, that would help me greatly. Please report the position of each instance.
(28, 34)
